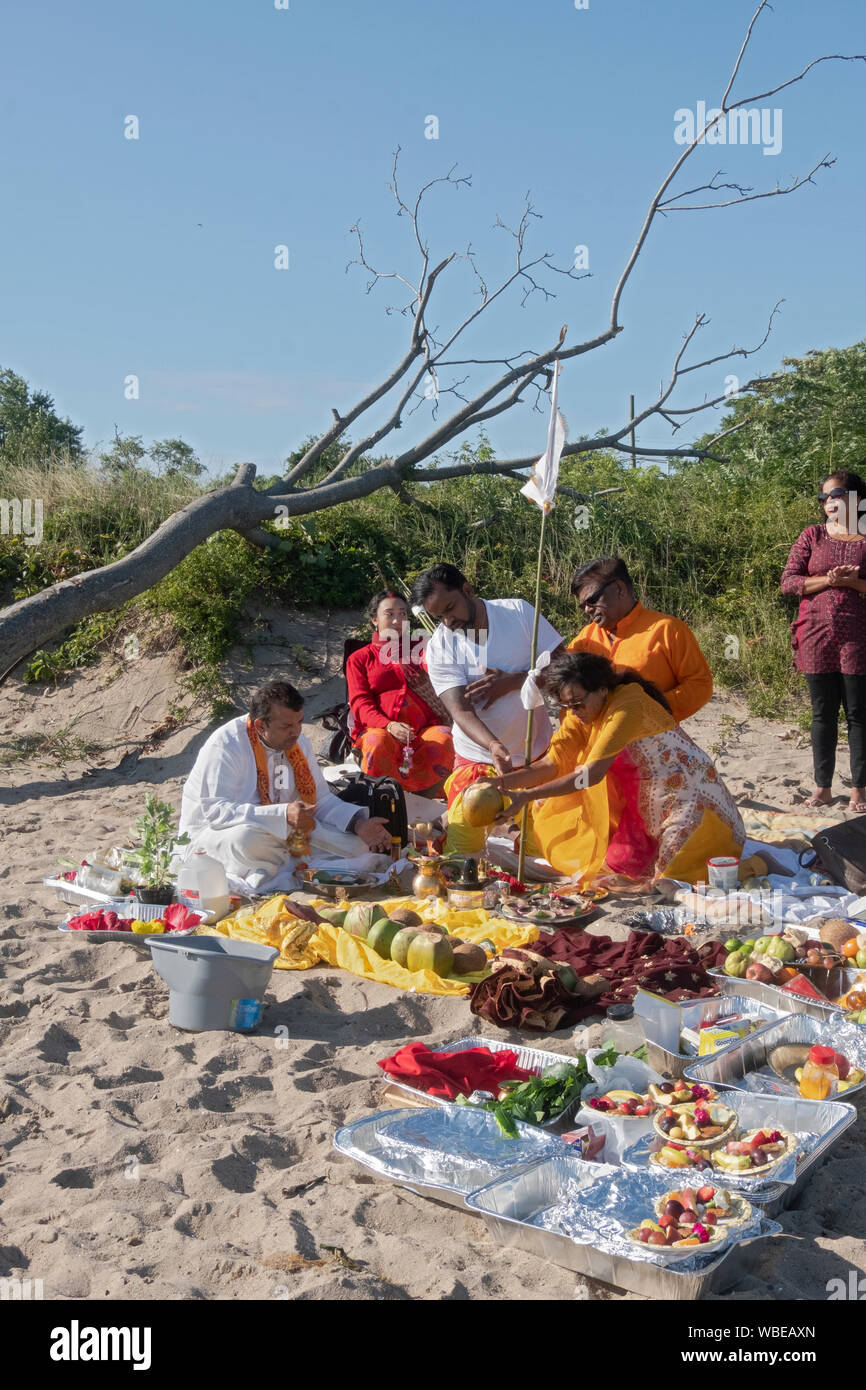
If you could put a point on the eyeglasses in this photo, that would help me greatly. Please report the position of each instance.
(835, 492)
(587, 603)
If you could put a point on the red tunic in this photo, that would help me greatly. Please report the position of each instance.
(829, 631)
(379, 693)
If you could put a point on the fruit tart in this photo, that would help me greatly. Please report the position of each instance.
(702, 1123)
(755, 1152)
(711, 1206)
(679, 1239)
(622, 1103)
(680, 1092)
(680, 1156)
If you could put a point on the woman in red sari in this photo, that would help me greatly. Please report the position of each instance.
(401, 728)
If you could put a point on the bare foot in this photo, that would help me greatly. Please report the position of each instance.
(822, 797)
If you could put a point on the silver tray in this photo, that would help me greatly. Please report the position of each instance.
(125, 907)
(530, 1058)
(821, 1123)
(698, 1011)
(744, 1065)
(512, 1205)
(780, 998)
(442, 1153)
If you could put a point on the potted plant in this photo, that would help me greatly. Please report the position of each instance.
(157, 841)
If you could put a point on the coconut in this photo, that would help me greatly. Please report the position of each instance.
(361, 916)
(468, 958)
(335, 915)
(834, 932)
(401, 943)
(482, 804)
(427, 951)
(381, 936)
(406, 917)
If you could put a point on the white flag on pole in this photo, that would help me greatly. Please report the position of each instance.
(541, 487)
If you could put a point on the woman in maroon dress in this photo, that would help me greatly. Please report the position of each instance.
(826, 569)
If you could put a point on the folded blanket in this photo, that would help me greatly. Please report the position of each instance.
(512, 999)
(452, 1074)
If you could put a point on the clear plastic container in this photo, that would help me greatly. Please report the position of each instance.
(99, 878)
(202, 884)
(622, 1029)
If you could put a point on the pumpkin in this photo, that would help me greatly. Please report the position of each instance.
(361, 916)
(427, 951)
(381, 936)
(401, 943)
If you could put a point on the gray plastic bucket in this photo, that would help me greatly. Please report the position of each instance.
(213, 982)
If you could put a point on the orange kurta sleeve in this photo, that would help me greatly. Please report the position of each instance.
(694, 680)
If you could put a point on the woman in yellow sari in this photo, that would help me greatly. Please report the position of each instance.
(622, 789)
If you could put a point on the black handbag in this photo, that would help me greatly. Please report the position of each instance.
(380, 796)
(841, 852)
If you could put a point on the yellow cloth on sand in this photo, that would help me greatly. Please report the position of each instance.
(304, 944)
(476, 924)
(271, 924)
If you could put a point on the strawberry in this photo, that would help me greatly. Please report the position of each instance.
(670, 1112)
(643, 1110)
(706, 1194)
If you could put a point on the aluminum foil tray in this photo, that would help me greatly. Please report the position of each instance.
(817, 1124)
(780, 998)
(745, 1067)
(697, 1011)
(442, 1152)
(531, 1209)
(667, 921)
(533, 1059)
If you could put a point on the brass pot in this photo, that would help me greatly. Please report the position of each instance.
(427, 882)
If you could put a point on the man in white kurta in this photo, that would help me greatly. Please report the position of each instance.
(245, 822)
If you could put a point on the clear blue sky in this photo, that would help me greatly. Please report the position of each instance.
(278, 126)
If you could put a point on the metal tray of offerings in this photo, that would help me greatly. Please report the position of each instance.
(780, 998)
(694, 1014)
(746, 1066)
(442, 1153)
(128, 907)
(817, 1126)
(567, 1210)
(534, 1059)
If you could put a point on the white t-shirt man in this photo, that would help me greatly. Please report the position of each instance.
(454, 660)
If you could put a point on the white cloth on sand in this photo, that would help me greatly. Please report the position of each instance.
(223, 815)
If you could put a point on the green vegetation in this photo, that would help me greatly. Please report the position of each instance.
(706, 541)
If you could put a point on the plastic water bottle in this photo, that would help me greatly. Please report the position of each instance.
(621, 1028)
(202, 885)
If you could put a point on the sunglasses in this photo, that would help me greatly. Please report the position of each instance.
(593, 599)
(834, 492)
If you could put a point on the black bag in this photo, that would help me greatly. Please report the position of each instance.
(381, 796)
(841, 852)
(336, 721)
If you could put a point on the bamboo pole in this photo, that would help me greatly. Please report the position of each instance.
(521, 858)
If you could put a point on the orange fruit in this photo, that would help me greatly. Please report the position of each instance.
(850, 948)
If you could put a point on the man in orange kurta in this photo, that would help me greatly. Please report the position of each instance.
(661, 648)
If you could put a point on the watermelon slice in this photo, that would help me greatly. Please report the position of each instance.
(805, 988)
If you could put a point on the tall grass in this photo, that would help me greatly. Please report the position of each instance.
(704, 544)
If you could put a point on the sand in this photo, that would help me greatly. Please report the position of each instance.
(140, 1162)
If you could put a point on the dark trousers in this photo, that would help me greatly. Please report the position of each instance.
(828, 691)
